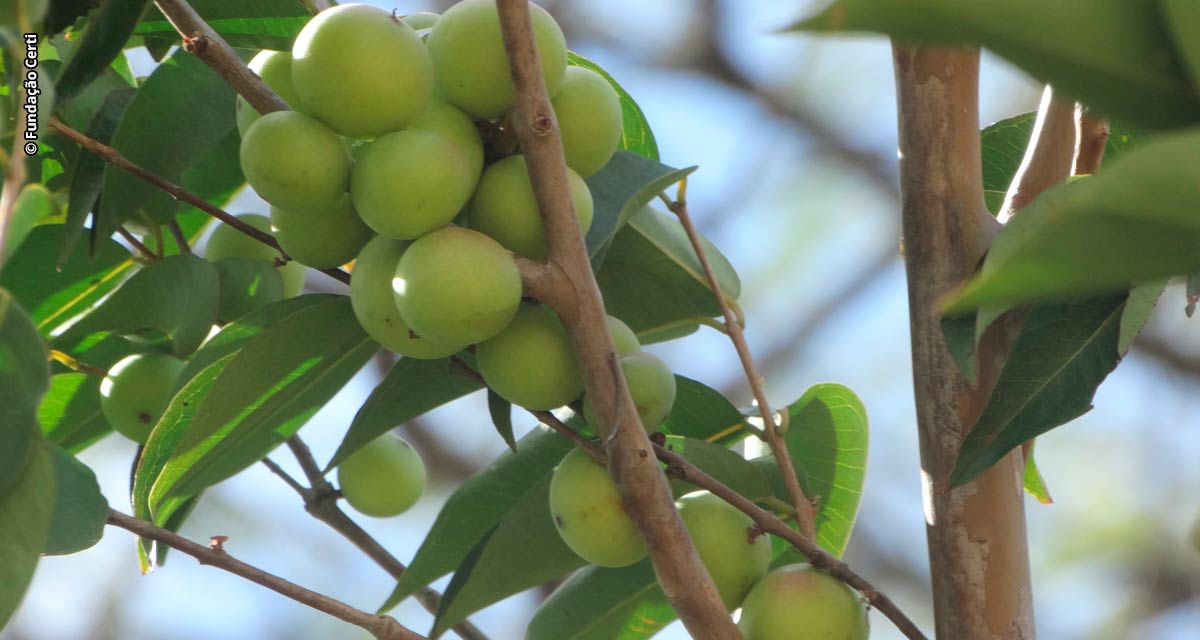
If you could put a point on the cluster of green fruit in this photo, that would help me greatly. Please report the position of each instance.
(793, 602)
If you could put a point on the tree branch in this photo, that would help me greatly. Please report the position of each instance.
(180, 238)
(642, 485)
(1048, 157)
(382, 627)
(805, 516)
(206, 44)
(1092, 139)
(114, 157)
(137, 245)
(320, 501)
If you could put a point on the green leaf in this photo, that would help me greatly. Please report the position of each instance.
(33, 204)
(626, 184)
(88, 177)
(102, 42)
(959, 333)
(1063, 353)
(25, 514)
(1035, 485)
(1182, 19)
(174, 298)
(410, 389)
(24, 379)
(1142, 299)
(1133, 221)
(1135, 77)
(262, 24)
(636, 135)
(70, 413)
(653, 281)
(501, 412)
(273, 385)
(182, 110)
(80, 510)
(478, 506)
(701, 412)
(727, 467)
(56, 296)
(603, 604)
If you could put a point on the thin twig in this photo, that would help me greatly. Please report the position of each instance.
(320, 501)
(114, 157)
(180, 238)
(145, 251)
(805, 516)
(1048, 156)
(379, 626)
(202, 40)
(75, 365)
(1092, 133)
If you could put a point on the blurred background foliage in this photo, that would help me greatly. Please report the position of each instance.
(795, 137)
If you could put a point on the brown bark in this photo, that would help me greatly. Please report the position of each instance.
(1048, 157)
(976, 532)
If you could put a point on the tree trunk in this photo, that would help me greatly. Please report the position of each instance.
(976, 532)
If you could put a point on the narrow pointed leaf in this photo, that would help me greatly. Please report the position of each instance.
(102, 42)
(626, 184)
(501, 412)
(1035, 484)
(70, 413)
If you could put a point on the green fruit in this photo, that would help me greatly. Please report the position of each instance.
(470, 64)
(589, 514)
(457, 286)
(531, 363)
(652, 386)
(505, 208)
(421, 20)
(136, 391)
(798, 602)
(275, 69)
(384, 478)
(321, 239)
(625, 340)
(409, 183)
(445, 119)
(295, 162)
(375, 306)
(245, 285)
(722, 537)
(361, 70)
(227, 242)
(589, 119)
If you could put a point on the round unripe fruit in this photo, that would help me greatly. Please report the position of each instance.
(421, 20)
(321, 239)
(531, 363)
(384, 478)
(505, 208)
(136, 391)
(375, 306)
(457, 286)
(295, 162)
(227, 242)
(797, 602)
(470, 64)
(589, 119)
(245, 285)
(652, 386)
(722, 537)
(589, 514)
(275, 69)
(409, 183)
(445, 119)
(625, 340)
(361, 71)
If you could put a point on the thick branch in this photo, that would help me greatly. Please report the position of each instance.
(1092, 139)
(382, 627)
(978, 556)
(114, 157)
(643, 487)
(202, 40)
(1048, 157)
(805, 516)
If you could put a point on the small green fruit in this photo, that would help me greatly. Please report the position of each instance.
(457, 286)
(505, 208)
(735, 558)
(531, 363)
(384, 478)
(245, 285)
(797, 602)
(275, 69)
(625, 340)
(589, 514)
(445, 119)
(295, 162)
(375, 306)
(409, 183)
(136, 391)
(652, 386)
(227, 242)
(589, 119)
(470, 64)
(321, 239)
(361, 70)
(421, 20)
